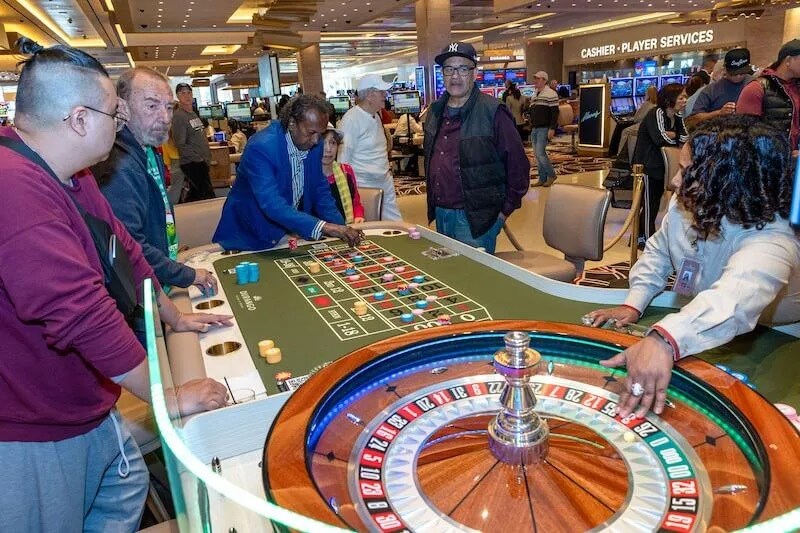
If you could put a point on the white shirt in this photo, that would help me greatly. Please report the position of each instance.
(364, 146)
(748, 276)
(402, 126)
(239, 141)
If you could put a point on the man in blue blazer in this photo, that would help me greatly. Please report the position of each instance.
(280, 188)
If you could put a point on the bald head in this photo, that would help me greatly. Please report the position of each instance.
(150, 104)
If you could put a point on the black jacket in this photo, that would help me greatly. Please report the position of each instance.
(137, 202)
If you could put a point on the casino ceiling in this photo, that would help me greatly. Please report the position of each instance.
(181, 36)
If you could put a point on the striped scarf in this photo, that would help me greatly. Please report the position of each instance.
(344, 191)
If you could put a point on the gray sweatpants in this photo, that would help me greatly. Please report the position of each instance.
(85, 483)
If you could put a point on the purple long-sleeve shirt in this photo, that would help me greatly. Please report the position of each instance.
(63, 337)
(445, 168)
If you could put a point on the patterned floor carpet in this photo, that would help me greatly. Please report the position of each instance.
(564, 160)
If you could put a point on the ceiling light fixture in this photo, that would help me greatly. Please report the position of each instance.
(640, 19)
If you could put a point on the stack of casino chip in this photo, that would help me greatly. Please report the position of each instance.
(269, 351)
(247, 272)
(360, 308)
(414, 233)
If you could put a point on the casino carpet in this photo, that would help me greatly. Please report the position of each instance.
(564, 160)
(614, 276)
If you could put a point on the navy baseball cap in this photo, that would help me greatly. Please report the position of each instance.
(181, 86)
(737, 61)
(457, 49)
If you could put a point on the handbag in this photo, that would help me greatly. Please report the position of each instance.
(117, 269)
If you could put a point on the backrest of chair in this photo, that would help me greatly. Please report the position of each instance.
(565, 114)
(634, 136)
(671, 156)
(372, 200)
(574, 219)
(196, 222)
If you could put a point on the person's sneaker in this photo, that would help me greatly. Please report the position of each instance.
(549, 182)
(539, 184)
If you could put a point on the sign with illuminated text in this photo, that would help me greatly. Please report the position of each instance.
(651, 44)
(650, 40)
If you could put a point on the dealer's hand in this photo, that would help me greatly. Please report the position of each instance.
(358, 220)
(200, 322)
(623, 315)
(649, 364)
(351, 235)
(205, 281)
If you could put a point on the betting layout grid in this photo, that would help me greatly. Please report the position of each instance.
(350, 275)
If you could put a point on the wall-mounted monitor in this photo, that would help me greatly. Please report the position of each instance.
(517, 75)
(239, 111)
(406, 102)
(671, 78)
(621, 87)
(340, 103)
(646, 67)
(204, 112)
(217, 113)
(641, 85)
(494, 78)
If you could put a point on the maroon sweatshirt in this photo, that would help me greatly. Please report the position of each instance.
(62, 335)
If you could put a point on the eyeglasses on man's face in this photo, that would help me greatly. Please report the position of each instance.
(462, 70)
(119, 119)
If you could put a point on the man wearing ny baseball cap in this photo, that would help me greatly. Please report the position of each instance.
(475, 166)
(365, 146)
(775, 94)
(720, 98)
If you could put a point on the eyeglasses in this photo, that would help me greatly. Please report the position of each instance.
(119, 120)
(463, 70)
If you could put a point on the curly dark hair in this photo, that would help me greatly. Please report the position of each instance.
(741, 170)
(298, 106)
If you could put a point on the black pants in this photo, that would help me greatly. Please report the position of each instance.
(651, 200)
(199, 179)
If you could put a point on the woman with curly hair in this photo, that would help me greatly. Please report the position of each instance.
(727, 236)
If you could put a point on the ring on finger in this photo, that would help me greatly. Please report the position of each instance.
(637, 389)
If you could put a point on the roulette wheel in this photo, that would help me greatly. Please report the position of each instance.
(401, 435)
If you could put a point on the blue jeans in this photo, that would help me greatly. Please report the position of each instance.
(539, 142)
(453, 223)
(74, 485)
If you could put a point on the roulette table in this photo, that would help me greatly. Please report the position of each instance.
(719, 457)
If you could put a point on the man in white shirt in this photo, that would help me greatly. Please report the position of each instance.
(727, 235)
(364, 147)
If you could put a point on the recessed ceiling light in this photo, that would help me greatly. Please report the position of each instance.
(189, 9)
(161, 9)
(213, 25)
(183, 25)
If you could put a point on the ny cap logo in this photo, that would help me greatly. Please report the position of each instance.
(453, 47)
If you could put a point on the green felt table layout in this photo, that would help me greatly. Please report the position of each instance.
(311, 318)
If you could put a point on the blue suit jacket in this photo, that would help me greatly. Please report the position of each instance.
(258, 211)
